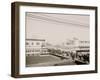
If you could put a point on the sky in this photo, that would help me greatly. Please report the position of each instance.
(57, 28)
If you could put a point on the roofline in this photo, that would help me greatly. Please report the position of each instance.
(35, 39)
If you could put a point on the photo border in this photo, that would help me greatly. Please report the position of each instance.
(15, 32)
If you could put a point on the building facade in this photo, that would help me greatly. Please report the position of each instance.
(76, 45)
(35, 47)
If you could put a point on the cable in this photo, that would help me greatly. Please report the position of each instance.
(48, 19)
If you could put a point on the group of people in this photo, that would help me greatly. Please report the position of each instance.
(84, 57)
(81, 56)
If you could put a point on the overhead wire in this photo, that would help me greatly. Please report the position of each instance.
(44, 18)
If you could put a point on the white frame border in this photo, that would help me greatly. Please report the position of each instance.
(51, 69)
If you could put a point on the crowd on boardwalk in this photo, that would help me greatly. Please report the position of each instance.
(75, 49)
(79, 55)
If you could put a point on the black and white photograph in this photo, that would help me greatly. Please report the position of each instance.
(53, 39)
(57, 39)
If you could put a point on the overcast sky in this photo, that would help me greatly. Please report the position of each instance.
(57, 28)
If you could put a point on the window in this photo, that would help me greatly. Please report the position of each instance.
(33, 50)
(43, 45)
(37, 50)
(37, 43)
(27, 43)
(32, 43)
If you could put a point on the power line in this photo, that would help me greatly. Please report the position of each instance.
(54, 20)
(68, 20)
